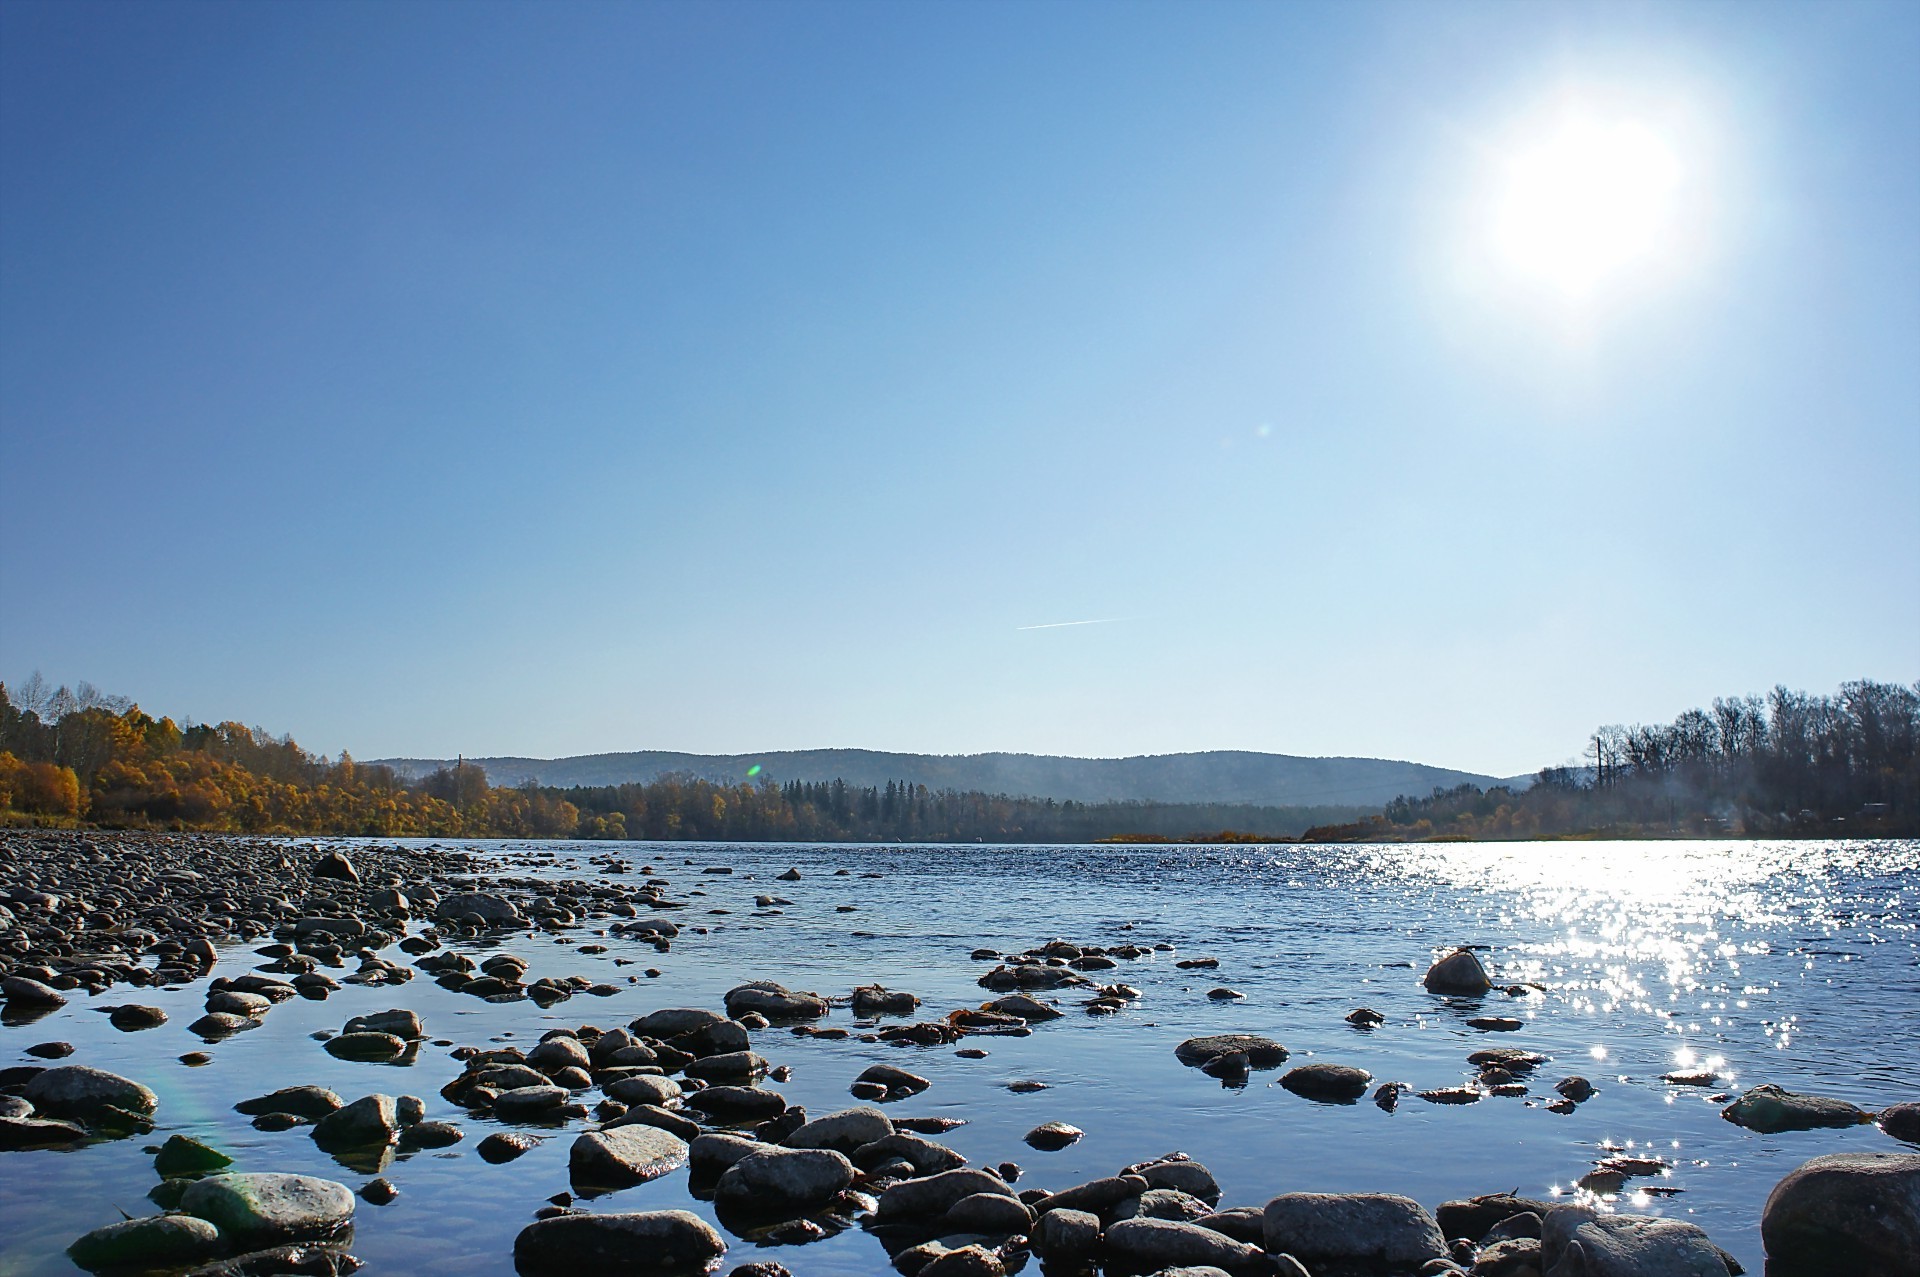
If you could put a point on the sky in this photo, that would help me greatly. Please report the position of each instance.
(1410, 380)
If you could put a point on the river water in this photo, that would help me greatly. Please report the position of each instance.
(1796, 963)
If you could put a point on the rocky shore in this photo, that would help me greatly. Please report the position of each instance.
(692, 1091)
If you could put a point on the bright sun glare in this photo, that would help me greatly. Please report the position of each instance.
(1587, 201)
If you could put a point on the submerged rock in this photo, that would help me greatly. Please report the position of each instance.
(74, 1090)
(158, 1241)
(1260, 1052)
(1459, 972)
(1329, 1083)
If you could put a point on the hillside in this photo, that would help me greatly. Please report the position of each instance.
(1217, 776)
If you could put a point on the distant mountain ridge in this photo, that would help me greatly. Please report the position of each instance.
(1215, 776)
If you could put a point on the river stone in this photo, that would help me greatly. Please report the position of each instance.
(504, 1146)
(1902, 1121)
(844, 1132)
(1333, 1083)
(644, 1089)
(667, 1243)
(1188, 1177)
(267, 1208)
(672, 1123)
(1066, 1236)
(1027, 1008)
(926, 1157)
(399, 1022)
(370, 1048)
(496, 910)
(1098, 1196)
(302, 1101)
(1578, 1241)
(721, 1037)
(158, 1241)
(38, 1132)
(672, 1022)
(184, 1155)
(1149, 1244)
(1050, 1137)
(742, 1103)
(528, 1102)
(930, 1198)
(1261, 1052)
(132, 1017)
(734, 1066)
(1844, 1212)
(1458, 972)
(783, 1180)
(237, 1002)
(1769, 1110)
(368, 1122)
(712, 1153)
(623, 1156)
(1378, 1229)
(990, 1214)
(775, 1001)
(75, 1090)
(1163, 1203)
(1473, 1218)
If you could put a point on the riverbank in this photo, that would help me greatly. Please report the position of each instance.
(460, 960)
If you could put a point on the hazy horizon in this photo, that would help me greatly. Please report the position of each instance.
(1421, 382)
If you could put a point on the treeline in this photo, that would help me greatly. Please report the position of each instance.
(80, 756)
(1786, 764)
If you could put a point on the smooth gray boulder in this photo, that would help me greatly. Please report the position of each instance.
(75, 1090)
(989, 1214)
(1261, 1053)
(22, 991)
(623, 1156)
(1845, 1212)
(1189, 1177)
(927, 1157)
(1328, 1083)
(844, 1131)
(1380, 1230)
(401, 1023)
(262, 1209)
(302, 1101)
(1066, 1236)
(1578, 1241)
(644, 1088)
(1459, 972)
(495, 910)
(774, 1001)
(711, 1154)
(672, 1022)
(932, 1197)
(158, 1241)
(666, 1243)
(1145, 1245)
(783, 1180)
(1770, 1109)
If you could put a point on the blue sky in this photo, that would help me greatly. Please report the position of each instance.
(549, 379)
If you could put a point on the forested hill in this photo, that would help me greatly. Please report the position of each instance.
(1218, 776)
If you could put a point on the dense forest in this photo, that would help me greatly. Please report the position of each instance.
(1787, 764)
(81, 756)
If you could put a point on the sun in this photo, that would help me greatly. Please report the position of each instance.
(1587, 201)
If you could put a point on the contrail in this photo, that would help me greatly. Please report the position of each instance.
(1061, 625)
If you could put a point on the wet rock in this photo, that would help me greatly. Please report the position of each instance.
(1459, 972)
(1575, 1088)
(670, 1243)
(1902, 1121)
(672, 1022)
(1473, 1218)
(780, 1181)
(430, 1135)
(676, 1124)
(20, 991)
(645, 1088)
(132, 1018)
(1365, 1018)
(221, 1024)
(529, 1103)
(1185, 1175)
(336, 865)
(991, 1214)
(1329, 1083)
(400, 1023)
(313, 1102)
(368, 1122)
(158, 1241)
(38, 1132)
(872, 999)
(77, 1091)
(967, 1261)
(257, 1208)
(734, 1066)
(1050, 1137)
(1577, 1241)
(932, 1197)
(1032, 1010)
(737, 1103)
(1066, 1237)
(898, 1082)
(494, 910)
(774, 1001)
(1770, 1109)
(372, 1048)
(1148, 1244)
(722, 1037)
(844, 1132)
(622, 1156)
(1514, 1257)
(284, 1261)
(380, 1192)
(925, 1156)
(1099, 1196)
(713, 1153)
(1381, 1230)
(504, 1146)
(1242, 1223)
(50, 1050)
(1844, 1212)
(1163, 1203)
(184, 1155)
(1261, 1053)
